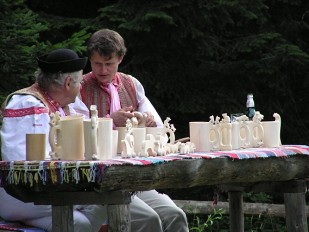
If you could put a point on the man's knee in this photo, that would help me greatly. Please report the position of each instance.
(175, 218)
(179, 213)
(154, 219)
(149, 222)
(82, 224)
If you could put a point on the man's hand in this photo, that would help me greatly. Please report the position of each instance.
(120, 117)
(150, 122)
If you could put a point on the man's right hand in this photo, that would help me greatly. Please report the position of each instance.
(120, 117)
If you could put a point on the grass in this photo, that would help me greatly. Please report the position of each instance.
(219, 222)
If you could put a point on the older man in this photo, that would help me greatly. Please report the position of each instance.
(28, 110)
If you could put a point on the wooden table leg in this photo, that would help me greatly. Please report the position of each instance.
(236, 211)
(62, 218)
(295, 212)
(119, 218)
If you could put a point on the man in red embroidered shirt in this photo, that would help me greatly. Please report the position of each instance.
(116, 95)
(27, 111)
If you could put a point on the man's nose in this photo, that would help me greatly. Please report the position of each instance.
(103, 69)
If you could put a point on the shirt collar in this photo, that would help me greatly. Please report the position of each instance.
(115, 82)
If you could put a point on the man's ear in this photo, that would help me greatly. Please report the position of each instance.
(68, 82)
(120, 59)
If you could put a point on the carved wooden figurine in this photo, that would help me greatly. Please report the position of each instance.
(128, 141)
(225, 133)
(148, 146)
(54, 121)
(257, 131)
(94, 129)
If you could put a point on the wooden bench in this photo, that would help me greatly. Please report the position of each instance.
(16, 226)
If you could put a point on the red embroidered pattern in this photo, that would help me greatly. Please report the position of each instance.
(13, 113)
(93, 93)
(53, 105)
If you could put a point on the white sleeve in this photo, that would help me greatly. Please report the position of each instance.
(78, 107)
(25, 117)
(144, 104)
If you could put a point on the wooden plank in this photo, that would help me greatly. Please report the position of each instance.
(296, 218)
(290, 186)
(68, 198)
(207, 207)
(204, 172)
(62, 218)
(119, 218)
(236, 212)
(81, 198)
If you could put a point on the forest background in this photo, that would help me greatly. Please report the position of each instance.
(195, 58)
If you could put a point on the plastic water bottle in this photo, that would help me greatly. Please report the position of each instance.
(250, 106)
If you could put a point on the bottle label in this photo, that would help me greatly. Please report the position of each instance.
(251, 112)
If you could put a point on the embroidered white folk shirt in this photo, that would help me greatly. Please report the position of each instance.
(26, 114)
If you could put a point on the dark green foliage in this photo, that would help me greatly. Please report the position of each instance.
(195, 58)
(198, 58)
(18, 43)
(22, 40)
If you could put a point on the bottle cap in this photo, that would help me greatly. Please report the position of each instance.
(250, 101)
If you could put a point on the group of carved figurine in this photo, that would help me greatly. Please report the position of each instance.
(217, 134)
(154, 145)
(241, 133)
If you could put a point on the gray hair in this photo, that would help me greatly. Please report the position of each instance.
(52, 80)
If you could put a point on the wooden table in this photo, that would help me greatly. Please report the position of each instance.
(65, 183)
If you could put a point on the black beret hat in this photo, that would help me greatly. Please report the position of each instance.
(61, 60)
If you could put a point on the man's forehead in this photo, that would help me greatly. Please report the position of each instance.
(105, 56)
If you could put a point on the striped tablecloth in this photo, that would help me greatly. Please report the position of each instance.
(30, 172)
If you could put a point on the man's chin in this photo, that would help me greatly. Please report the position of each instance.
(104, 79)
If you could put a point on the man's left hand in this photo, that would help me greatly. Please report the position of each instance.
(150, 122)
